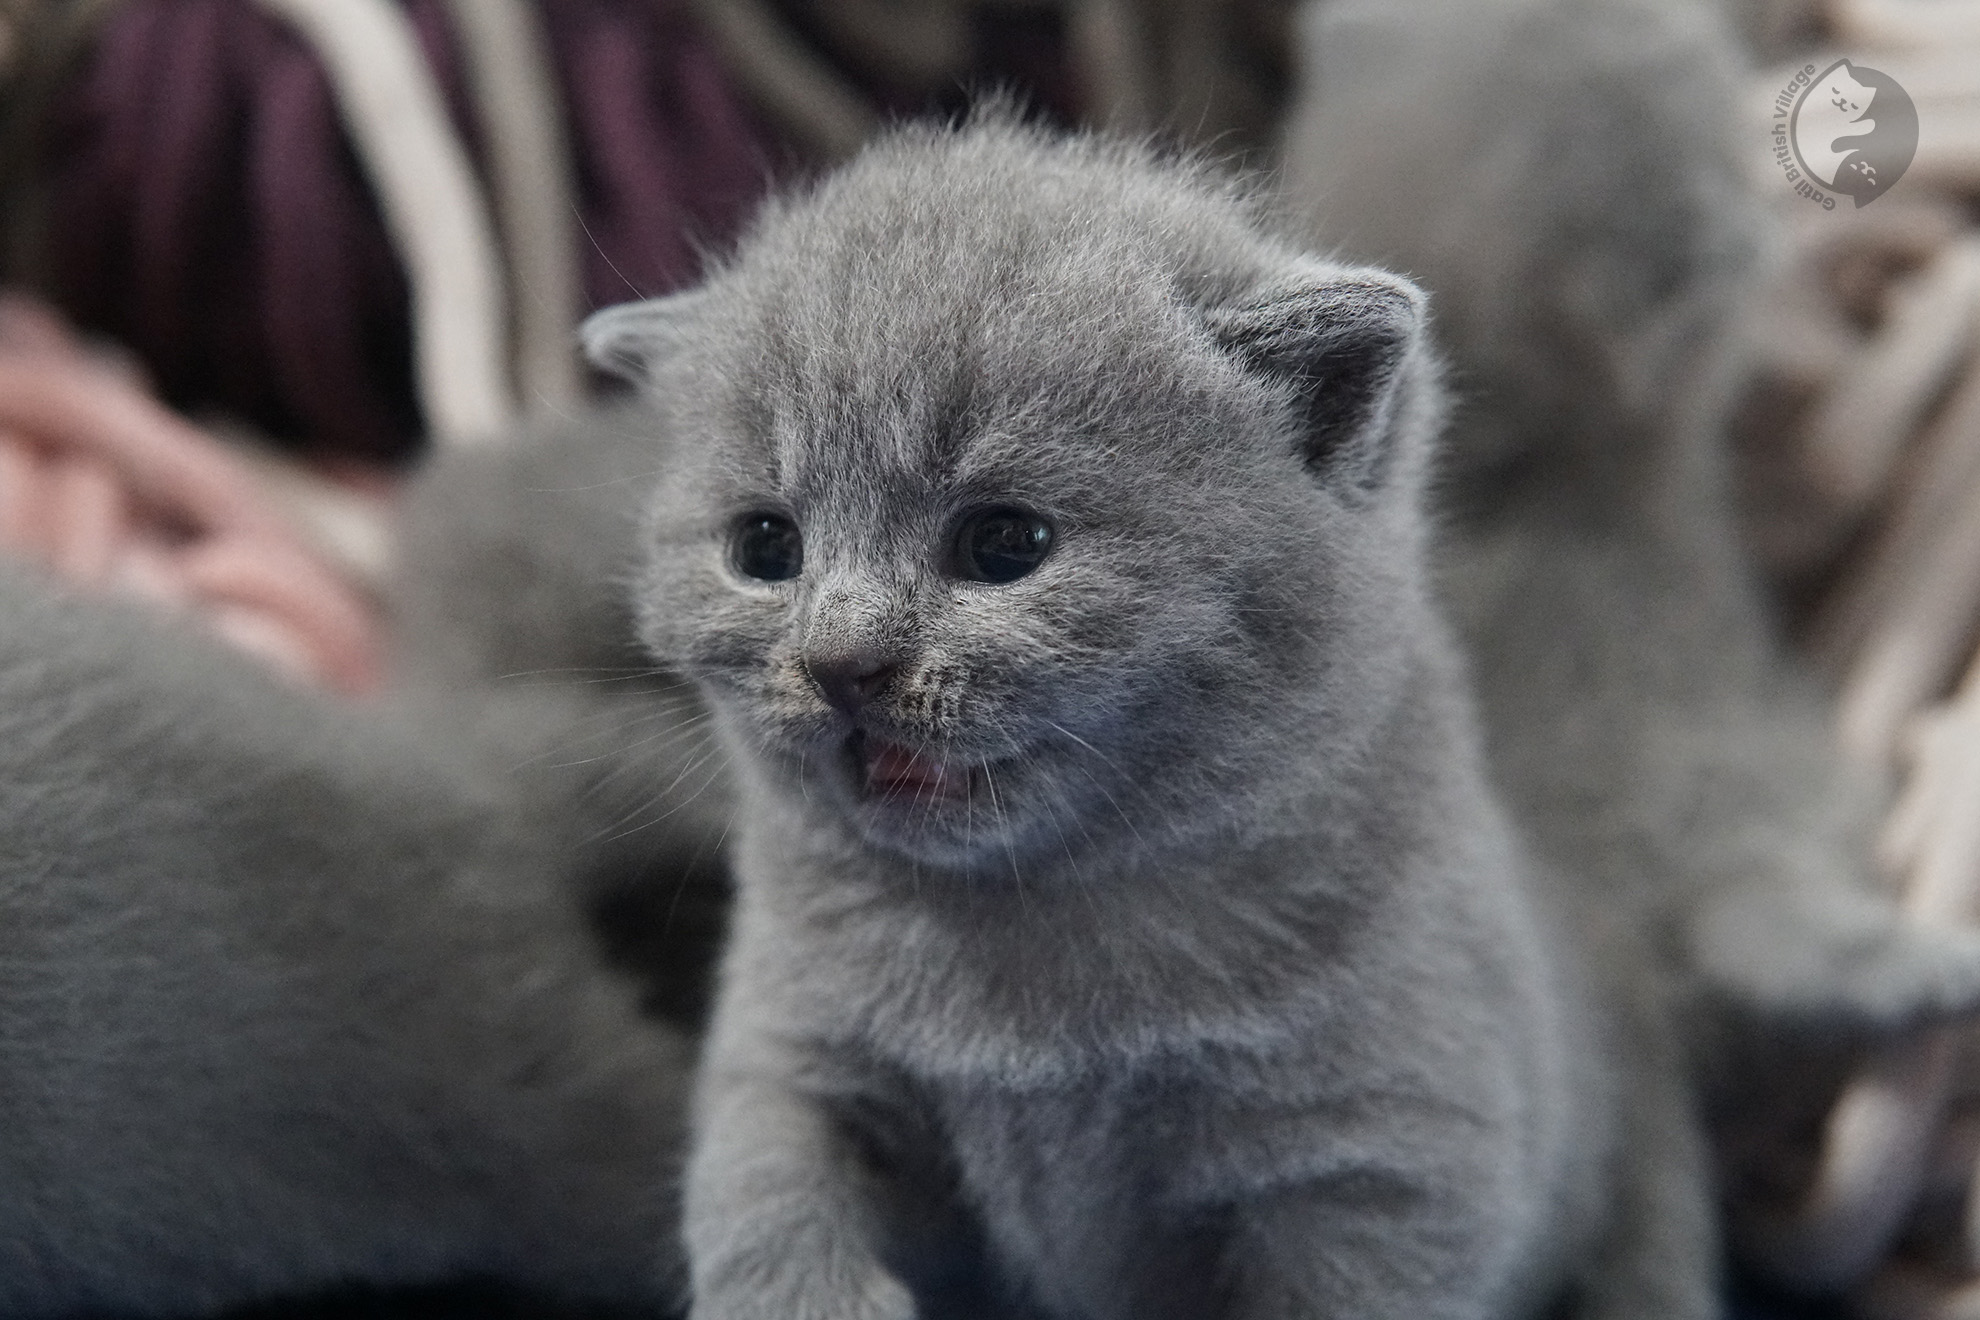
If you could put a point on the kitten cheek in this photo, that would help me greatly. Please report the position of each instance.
(706, 633)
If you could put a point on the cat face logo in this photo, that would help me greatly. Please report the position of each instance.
(1851, 130)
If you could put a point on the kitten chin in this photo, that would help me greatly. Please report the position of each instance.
(940, 812)
(898, 789)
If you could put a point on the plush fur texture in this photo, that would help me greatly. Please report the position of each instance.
(292, 995)
(512, 618)
(1562, 176)
(1641, 716)
(1140, 930)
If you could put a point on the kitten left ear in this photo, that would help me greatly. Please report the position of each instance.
(626, 340)
(1346, 340)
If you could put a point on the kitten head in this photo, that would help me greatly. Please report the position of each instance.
(1031, 499)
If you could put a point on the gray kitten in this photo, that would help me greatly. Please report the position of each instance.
(292, 995)
(1119, 886)
(1642, 714)
(1563, 176)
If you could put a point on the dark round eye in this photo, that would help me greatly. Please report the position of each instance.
(767, 546)
(1001, 545)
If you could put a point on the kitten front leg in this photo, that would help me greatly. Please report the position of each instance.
(1372, 1245)
(1832, 957)
(780, 1214)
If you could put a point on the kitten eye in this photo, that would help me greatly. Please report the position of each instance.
(767, 546)
(1001, 545)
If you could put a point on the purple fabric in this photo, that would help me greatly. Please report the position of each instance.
(1012, 47)
(325, 301)
(667, 160)
(208, 213)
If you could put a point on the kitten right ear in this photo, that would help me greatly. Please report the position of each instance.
(1344, 338)
(626, 340)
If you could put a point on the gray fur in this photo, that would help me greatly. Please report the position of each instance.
(292, 995)
(1226, 990)
(1563, 176)
(512, 619)
(1642, 716)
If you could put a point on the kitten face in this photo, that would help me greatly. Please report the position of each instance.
(987, 536)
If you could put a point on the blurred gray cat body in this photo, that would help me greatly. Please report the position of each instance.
(293, 996)
(1577, 203)
(1642, 716)
(1144, 916)
(513, 625)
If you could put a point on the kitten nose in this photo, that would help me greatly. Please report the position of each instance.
(849, 681)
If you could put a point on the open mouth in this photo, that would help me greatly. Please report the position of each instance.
(891, 771)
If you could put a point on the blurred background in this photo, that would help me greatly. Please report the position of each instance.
(180, 178)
